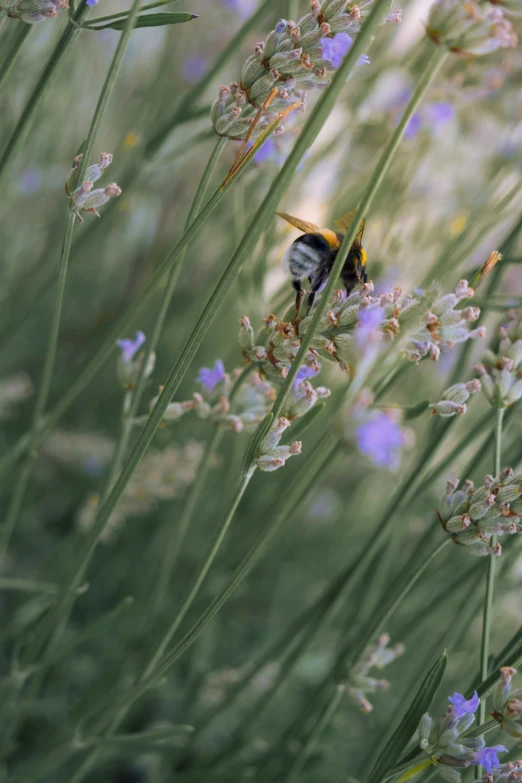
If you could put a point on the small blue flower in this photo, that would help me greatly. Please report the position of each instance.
(381, 439)
(369, 321)
(267, 151)
(430, 117)
(440, 112)
(487, 757)
(209, 378)
(461, 706)
(303, 374)
(129, 347)
(91, 2)
(334, 49)
(413, 127)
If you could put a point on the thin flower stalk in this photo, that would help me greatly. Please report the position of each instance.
(13, 50)
(139, 386)
(358, 649)
(260, 221)
(490, 581)
(50, 356)
(23, 126)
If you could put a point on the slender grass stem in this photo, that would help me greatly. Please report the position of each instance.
(373, 631)
(13, 50)
(162, 647)
(196, 491)
(315, 737)
(147, 7)
(490, 581)
(24, 474)
(50, 356)
(23, 126)
(137, 394)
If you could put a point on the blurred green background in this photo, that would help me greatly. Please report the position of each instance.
(451, 197)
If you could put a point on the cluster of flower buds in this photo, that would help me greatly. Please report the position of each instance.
(293, 59)
(83, 197)
(501, 370)
(448, 749)
(472, 28)
(442, 324)
(359, 682)
(507, 706)
(453, 399)
(510, 772)
(471, 516)
(243, 411)
(344, 333)
(130, 361)
(271, 455)
(33, 10)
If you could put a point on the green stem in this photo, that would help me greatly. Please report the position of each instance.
(490, 582)
(52, 344)
(428, 74)
(67, 38)
(15, 45)
(322, 724)
(27, 585)
(23, 477)
(180, 527)
(162, 647)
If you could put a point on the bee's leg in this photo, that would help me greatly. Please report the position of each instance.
(315, 285)
(298, 302)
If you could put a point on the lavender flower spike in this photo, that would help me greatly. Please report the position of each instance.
(461, 706)
(130, 347)
(381, 439)
(487, 757)
(209, 378)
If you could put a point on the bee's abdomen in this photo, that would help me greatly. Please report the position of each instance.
(304, 256)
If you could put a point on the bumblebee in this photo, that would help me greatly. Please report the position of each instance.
(312, 256)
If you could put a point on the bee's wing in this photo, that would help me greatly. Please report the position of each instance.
(302, 225)
(344, 223)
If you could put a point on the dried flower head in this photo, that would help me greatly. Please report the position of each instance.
(294, 58)
(500, 371)
(470, 28)
(31, 11)
(507, 704)
(360, 683)
(83, 198)
(271, 455)
(453, 399)
(472, 516)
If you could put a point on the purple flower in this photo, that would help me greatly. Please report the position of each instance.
(380, 439)
(129, 347)
(91, 2)
(369, 321)
(334, 49)
(210, 378)
(267, 151)
(487, 757)
(439, 113)
(461, 706)
(194, 66)
(303, 373)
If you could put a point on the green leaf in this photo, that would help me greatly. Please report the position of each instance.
(410, 721)
(150, 20)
